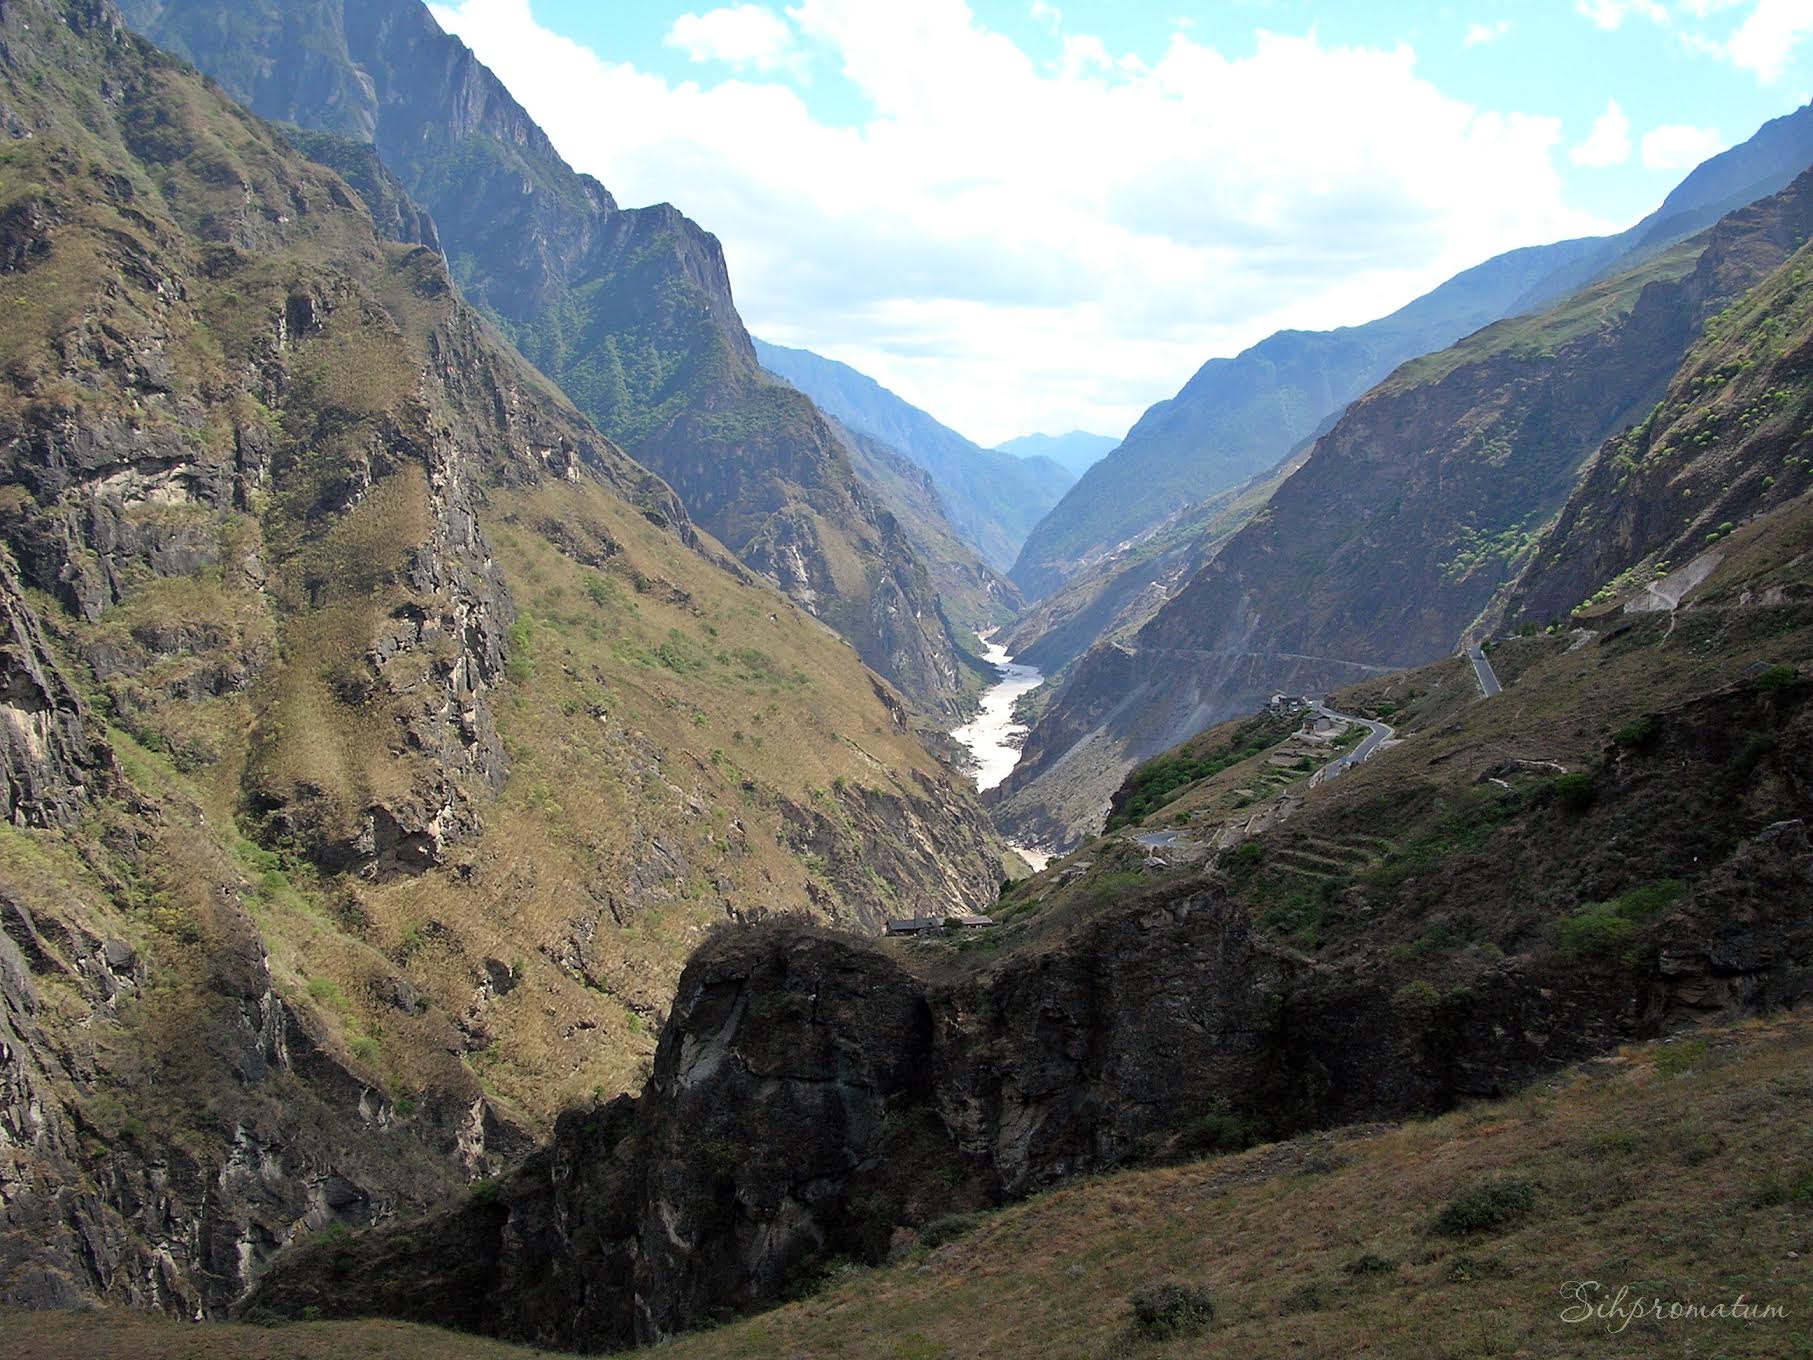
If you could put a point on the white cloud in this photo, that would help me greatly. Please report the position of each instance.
(743, 35)
(1678, 147)
(1479, 35)
(1610, 14)
(1767, 38)
(1609, 141)
(1019, 246)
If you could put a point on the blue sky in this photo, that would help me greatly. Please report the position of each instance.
(1030, 214)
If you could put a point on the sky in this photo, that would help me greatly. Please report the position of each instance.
(1044, 215)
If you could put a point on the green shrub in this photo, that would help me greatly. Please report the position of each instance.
(1214, 1133)
(1312, 1296)
(1682, 1056)
(1490, 1206)
(485, 1190)
(1167, 1310)
(1778, 677)
(1602, 929)
(1640, 734)
(948, 1229)
(1417, 1000)
(1246, 855)
(1596, 932)
(1748, 756)
(1573, 792)
(1788, 1188)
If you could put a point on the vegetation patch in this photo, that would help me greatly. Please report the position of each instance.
(1169, 1310)
(1487, 1207)
(1607, 930)
(1158, 781)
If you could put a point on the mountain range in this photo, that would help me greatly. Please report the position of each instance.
(628, 310)
(993, 498)
(482, 845)
(1077, 451)
(1237, 417)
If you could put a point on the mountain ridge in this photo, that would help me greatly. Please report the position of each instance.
(1237, 416)
(992, 499)
(628, 310)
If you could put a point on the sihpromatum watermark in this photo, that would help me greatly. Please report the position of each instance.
(1591, 1301)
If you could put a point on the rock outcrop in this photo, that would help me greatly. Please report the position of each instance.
(811, 1098)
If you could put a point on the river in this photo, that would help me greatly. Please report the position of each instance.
(992, 736)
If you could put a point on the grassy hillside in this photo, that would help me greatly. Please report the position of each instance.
(1675, 1170)
(380, 738)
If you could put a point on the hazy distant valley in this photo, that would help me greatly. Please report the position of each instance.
(532, 812)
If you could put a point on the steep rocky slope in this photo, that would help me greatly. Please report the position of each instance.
(975, 596)
(1406, 519)
(629, 311)
(1238, 416)
(1117, 596)
(993, 498)
(1728, 442)
(377, 736)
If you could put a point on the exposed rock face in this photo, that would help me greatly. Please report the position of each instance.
(1394, 536)
(972, 596)
(809, 1095)
(49, 757)
(629, 310)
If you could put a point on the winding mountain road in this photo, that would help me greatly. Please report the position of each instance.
(1482, 670)
(1377, 734)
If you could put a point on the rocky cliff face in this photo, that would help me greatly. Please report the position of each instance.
(1408, 516)
(630, 311)
(375, 735)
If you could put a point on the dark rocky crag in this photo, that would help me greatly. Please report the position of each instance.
(629, 310)
(812, 1095)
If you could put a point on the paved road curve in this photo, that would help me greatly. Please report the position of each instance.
(1377, 734)
(1482, 670)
